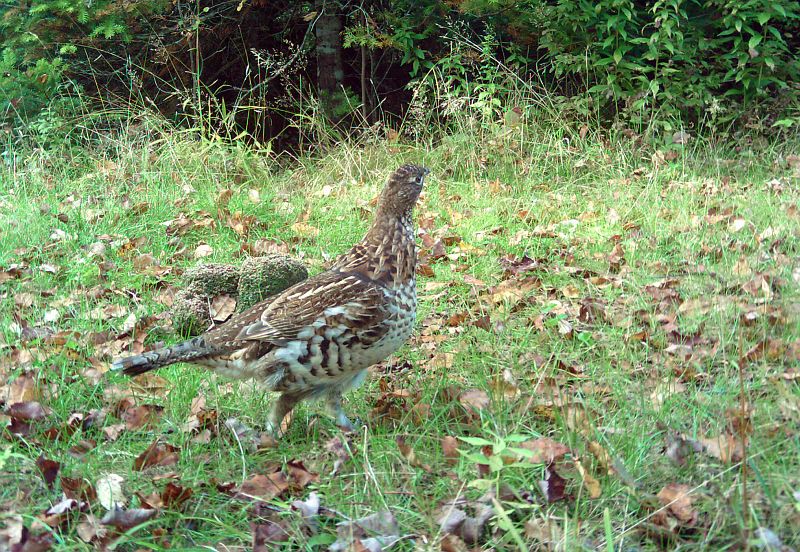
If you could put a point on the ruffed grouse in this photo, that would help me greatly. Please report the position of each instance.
(317, 338)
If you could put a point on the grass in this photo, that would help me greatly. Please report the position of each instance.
(660, 360)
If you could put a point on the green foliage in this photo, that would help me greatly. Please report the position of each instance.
(645, 65)
(408, 42)
(25, 88)
(39, 44)
(675, 57)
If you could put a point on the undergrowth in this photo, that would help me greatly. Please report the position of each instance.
(589, 307)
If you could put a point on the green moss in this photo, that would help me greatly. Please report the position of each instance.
(190, 312)
(261, 277)
(212, 279)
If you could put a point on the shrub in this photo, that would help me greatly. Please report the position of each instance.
(696, 59)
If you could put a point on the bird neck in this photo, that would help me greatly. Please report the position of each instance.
(390, 225)
(388, 249)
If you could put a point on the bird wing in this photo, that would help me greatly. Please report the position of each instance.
(348, 298)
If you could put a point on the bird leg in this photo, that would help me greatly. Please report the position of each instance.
(333, 404)
(280, 409)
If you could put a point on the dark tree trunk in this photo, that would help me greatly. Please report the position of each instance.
(330, 69)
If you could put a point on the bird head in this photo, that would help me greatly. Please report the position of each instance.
(402, 190)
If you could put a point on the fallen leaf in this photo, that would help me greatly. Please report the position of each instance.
(203, 250)
(679, 447)
(267, 533)
(264, 487)
(678, 510)
(109, 491)
(157, 454)
(409, 454)
(545, 532)
(305, 230)
(82, 447)
(456, 521)
(90, 529)
(591, 484)
(112, 432)
(78, 489)
(126, 519)
(340, 451)
(474, 400)
(724, 447)
(450, 449)
(244, 434)
(139, 416)
(22, 389)
(29, 411)
(545, 450)
(737, 224)
(49, 469)
(224, 197)
(222, 307)
(173, 495)
(375, 532)
(553, 486)
(508, 294)
(23, 300)
(299, 475)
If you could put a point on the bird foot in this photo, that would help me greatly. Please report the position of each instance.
(348, 426)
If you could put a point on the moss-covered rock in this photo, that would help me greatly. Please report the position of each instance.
(261, 277)
(190, 312)
(212, 279)
(254, 281)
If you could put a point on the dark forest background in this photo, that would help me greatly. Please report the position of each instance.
(259, 68)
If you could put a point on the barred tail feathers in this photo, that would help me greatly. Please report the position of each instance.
(151, 360)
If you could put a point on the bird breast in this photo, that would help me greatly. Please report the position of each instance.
(329, 353)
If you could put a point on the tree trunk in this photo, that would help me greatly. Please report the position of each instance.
(330, 69)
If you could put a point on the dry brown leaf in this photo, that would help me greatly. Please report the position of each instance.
(224, 197)
(678, 510)
(545, 532)
(203, 250)
(90, 529)
(545, 450)
(508, 294)
(299, 475)
(409, 454)
(29, 410)
(157, 454)
(22, 389)
(450, 449)
(264, 487)
(591, 484)
(553, 486)
(601, 455)
(305, 230)
(440, 361)
(49, 469)
(109, 491)
(222, 307)
(474, 400)
(140, 416)
(724, 447)
(173, 495)
(126, 519)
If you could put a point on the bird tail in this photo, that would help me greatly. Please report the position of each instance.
(182, 352)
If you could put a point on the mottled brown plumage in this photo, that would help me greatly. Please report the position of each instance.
(317, 338)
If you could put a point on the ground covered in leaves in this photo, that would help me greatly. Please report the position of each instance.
(607, 354)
